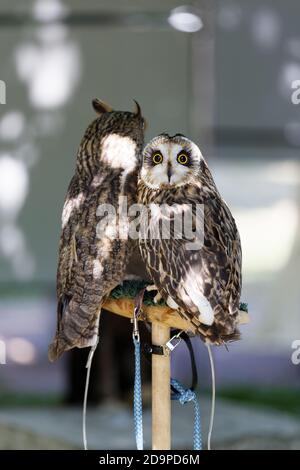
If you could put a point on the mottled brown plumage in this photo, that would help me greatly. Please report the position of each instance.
(91, 263)
(203, 284)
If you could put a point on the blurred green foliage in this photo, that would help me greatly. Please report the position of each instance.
(276, 398)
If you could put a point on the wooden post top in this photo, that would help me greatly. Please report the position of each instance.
(156, 313)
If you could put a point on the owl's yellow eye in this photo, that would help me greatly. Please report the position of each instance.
(157, 158)
(183, 159)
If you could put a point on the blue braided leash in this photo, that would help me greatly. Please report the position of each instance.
(181, 393)
(183, 396)
(137, 400)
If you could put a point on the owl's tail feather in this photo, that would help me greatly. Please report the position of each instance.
(235, 336)
(59, 345)
(56, 349)
(218, 339)
(76, 329)
(215, 335)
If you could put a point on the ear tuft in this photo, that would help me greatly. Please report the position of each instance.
(100, 107)
(137, 110)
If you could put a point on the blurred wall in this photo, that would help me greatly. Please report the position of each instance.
(257, 166)
(52, 73)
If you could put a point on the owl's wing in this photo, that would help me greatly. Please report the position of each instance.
(204, 283)
(92, 261)
(78, 298)
(67, 245)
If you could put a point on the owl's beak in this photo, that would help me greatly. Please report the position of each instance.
(169, 172)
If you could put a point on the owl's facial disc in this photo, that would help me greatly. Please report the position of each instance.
(170, 162)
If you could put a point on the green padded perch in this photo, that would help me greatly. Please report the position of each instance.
(130, 289)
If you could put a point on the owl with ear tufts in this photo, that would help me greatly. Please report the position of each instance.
(199, 273)
(92, 264)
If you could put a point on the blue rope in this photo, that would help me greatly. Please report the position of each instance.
(137, 400)
(185, 396)
(182, 395)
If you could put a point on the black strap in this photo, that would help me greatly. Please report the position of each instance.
(153, 349)
(149, 349)
(186, 338)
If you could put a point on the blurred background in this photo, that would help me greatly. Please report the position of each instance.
(219, 71)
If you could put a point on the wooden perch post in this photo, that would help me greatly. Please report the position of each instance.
(161, 400)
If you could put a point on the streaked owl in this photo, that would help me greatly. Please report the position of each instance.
(92, 262)
(198, 274)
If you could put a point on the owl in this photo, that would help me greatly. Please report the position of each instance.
(93, 257)
(196, 271)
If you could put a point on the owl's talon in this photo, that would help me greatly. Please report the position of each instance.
(157, 298)
(151, 288)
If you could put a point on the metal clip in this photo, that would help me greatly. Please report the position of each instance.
(173, 342)
(135, 332)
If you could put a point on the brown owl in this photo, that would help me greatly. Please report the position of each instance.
(198, 274)
(93, 261)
